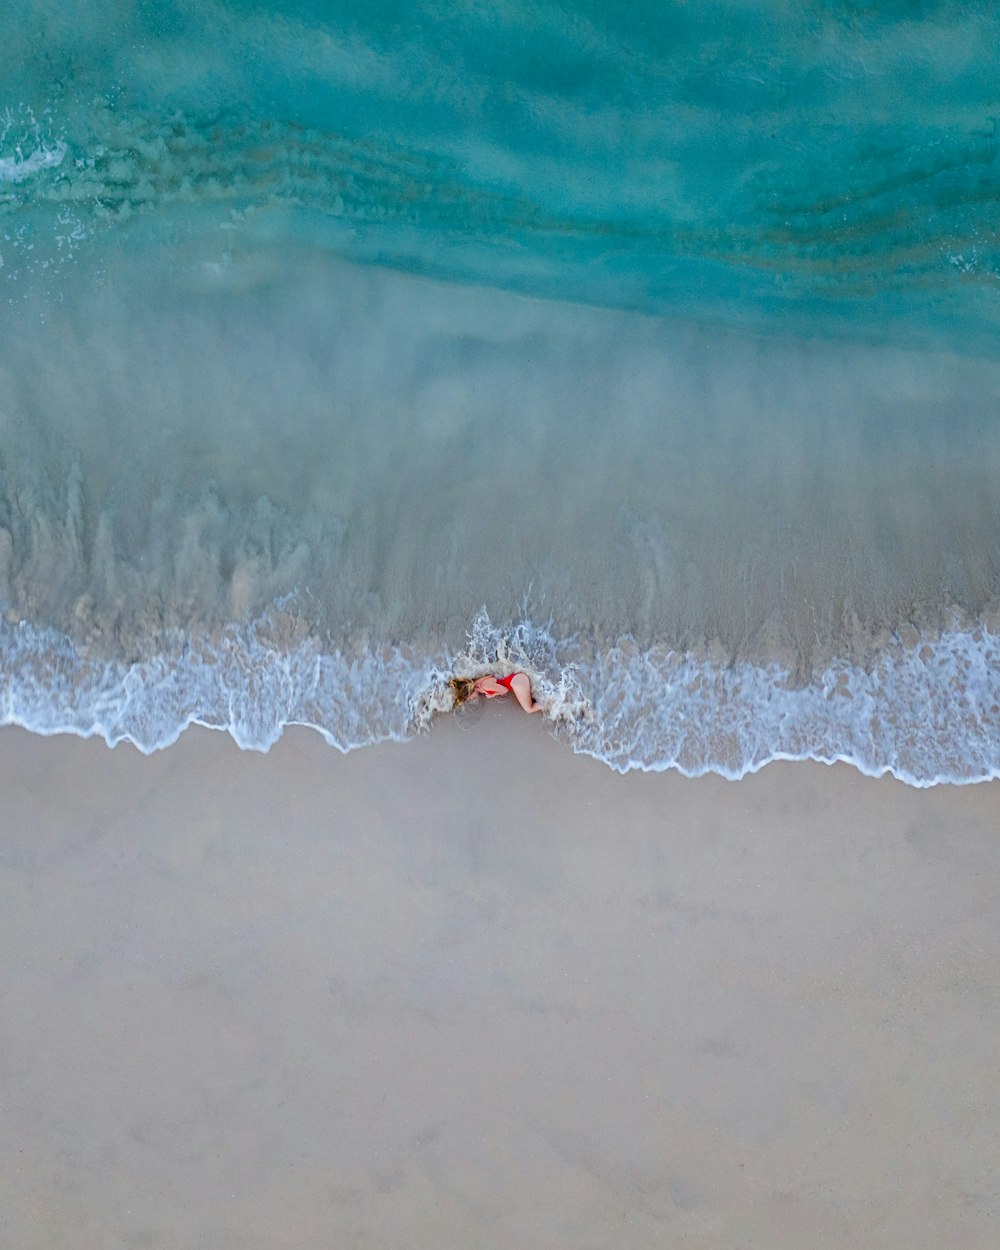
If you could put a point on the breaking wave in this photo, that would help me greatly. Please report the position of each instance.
(926, 711)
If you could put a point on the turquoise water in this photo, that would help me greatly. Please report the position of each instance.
(652, 349)
(807, 162)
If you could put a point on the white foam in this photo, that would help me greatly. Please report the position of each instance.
(926, 714)
(18, 168)
(239, 682)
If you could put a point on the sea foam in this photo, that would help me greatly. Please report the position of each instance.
(926, 712)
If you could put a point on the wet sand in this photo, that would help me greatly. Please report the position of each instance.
(475, 991)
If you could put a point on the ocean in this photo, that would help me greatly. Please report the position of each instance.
(650, 348)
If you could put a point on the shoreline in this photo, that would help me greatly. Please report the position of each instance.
(474, 988)
(926, 712)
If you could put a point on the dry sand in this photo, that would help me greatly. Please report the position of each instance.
(477, 992)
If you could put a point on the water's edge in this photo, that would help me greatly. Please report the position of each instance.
(926, 711)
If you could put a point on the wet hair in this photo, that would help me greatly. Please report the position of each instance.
(462, 688)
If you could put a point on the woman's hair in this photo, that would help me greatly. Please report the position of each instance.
(462, 688)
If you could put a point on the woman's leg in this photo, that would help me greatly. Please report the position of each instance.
(521, 686)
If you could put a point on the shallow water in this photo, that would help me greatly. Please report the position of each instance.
(655, 353)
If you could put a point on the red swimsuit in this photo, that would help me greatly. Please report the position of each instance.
(500, 681)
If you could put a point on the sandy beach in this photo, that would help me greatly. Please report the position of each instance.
(475, 991)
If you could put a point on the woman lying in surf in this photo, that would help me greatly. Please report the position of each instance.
(519, 684)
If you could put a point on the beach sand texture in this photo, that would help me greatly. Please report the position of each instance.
(476, 991)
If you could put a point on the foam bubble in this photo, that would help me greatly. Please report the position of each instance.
(240, 679)
(30, 149)
(19, 167)
(926, 712)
